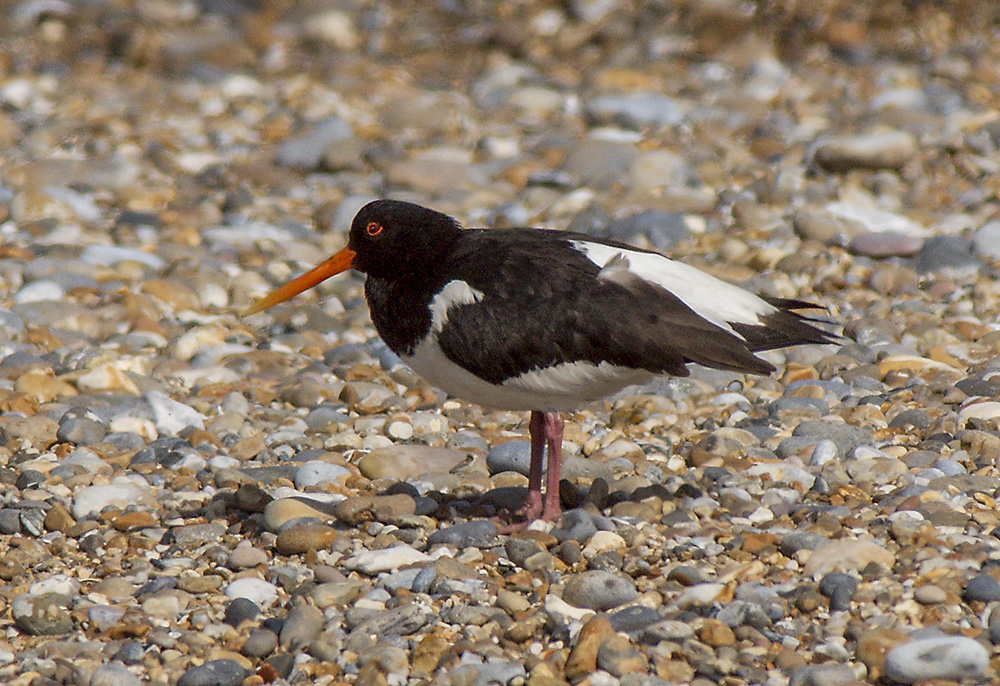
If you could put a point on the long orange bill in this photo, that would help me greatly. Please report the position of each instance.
(340, 262)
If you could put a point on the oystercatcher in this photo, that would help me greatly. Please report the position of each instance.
(545, 320)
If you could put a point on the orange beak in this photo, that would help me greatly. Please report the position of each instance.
(340, 262)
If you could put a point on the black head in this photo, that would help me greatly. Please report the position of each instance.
(393, 239)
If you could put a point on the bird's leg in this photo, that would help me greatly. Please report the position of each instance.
(537, 426)
(553, 431)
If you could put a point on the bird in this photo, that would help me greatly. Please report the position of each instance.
(546, 320)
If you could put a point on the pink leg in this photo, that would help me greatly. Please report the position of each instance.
(544, 428)
(537, 426)
(553, 436)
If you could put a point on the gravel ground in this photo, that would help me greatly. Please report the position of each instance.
(191, 498)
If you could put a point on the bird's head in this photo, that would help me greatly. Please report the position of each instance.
(389, 239)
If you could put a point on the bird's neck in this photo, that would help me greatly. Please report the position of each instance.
(400, 311)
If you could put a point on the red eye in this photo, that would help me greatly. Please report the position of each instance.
(373, 229)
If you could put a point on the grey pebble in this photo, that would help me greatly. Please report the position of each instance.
(600, 163)
(831, 674)
(880, 245)
(193, 535)
(520, 550)
(634, 619)
(599, 590)
(846, 437)
(982, 587)
(635, 110)
(114, 674)
(945, 252)
(944, 657)
(662, 229)
(303, 623)
(400, 621)
(424, 579)
(47, 614)
(259, 643)
(10, 521)
(477, 533)
(801, 540)
(131, 653)
(306, 150)
(512, 456)
(223, 672)
(575, 525)
(839, 588)
(240, 610)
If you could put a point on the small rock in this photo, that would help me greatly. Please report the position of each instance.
(240, 610)
(259, 643)
(986, 242)
(582, 659)
(930, 594)
(479, 533)
(260, 592)
(302, 625)
(224, 672)
(619, 657)
(114, 674)
(946, 657)
(889, 150)
(245, 555)
(319, 473)
(407, 462)
(387, 559)
(982, 587)
(847, 555)
(382, 508)
(296, 540)
(839, 588)
(47, 614)
(599, 590)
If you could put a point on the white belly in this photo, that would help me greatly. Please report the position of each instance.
(563, 387)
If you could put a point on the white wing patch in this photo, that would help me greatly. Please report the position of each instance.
(721, 303)
(454, 293)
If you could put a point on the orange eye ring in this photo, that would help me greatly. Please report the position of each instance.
(373, 229)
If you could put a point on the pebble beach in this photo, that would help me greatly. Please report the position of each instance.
(189, 497)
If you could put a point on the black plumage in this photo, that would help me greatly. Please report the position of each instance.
(545, 320)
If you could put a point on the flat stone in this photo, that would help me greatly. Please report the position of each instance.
(847, 555)
(366, 508)
(599, 590)
(46, 614)
(296, 540)
(887, 150)
(279, 512)
(946, 657)
(406, 462)
(387, 559)
(223, 672)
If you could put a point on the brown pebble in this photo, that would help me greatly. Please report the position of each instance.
(302, 539)
(873, 646)
(716, 634)
(130, 521)
(583, 657)
(382, 508)
(58, 518)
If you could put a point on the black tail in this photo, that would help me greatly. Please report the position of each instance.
(785, 327)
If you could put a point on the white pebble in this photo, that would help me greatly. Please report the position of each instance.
(262, 593)
(38, 291)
